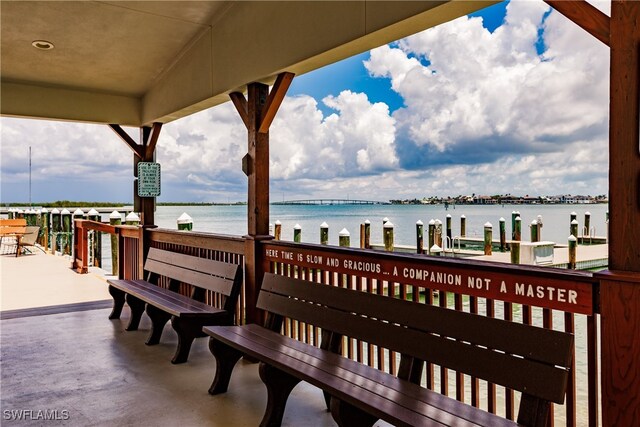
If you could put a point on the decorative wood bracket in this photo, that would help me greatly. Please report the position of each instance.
(274, 100)
(586, 16)
(145, 150)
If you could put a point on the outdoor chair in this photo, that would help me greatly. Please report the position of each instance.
(28, 240)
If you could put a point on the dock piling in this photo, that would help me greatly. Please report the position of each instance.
(185, 222)
(65, 217)
(367, 234)
(431, 236)
(324, 233)
(297, 233)
(488, 237)
(573, 243)
(503, 235)
(587, 224)
(344, 238)
(114, 219)
(534, 231)
(419, 237)
(448, 227)
(388, 236)
(95, 236)
(463, 226)
(277, 231)
(574, 228)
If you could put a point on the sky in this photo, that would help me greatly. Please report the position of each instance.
(512, 99)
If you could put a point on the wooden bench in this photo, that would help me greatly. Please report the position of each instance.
(188, 314)
(13, 229)
(524, 358)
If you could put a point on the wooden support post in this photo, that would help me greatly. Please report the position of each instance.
(324, 233)
(45, 221)
(431, 234)
(573, 243)
(277, 230)
(587, 224)
(297, 233)
(488, 238)
(515, 252)
(114, 219)
(257, 112)
(533, 228)
(362, 239)
(419, 237)
(437, 233)
(463, 226)
(503, 235)
(344, 238)
(574, 228)
(387, 234)
(96, 241)
(185, 222)
(620, 288)
(65, 219)
(367, 234)
(448, 227)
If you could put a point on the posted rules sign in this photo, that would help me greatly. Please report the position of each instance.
(148, 179)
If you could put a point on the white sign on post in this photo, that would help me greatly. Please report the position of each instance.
(148, 179)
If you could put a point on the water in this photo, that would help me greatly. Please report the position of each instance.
(233, 219)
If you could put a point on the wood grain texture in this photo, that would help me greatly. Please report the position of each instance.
(620, 317)
(585, 16)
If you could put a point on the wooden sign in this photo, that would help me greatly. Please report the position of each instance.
(148, 179)
(535, 286)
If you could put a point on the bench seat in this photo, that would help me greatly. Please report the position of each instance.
(188, 314)
(387, 397)
(171, 302)
(532, 360)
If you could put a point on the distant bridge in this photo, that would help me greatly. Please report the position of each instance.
(331, 202)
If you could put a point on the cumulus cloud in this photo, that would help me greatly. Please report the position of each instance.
(484, 112)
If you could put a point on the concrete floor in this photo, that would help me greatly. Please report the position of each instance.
(76, 365)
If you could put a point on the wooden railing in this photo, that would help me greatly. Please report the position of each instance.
(548, 298)
(204, 245)
(544, 297)
(129, 247)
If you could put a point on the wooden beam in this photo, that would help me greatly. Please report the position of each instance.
(276, 96)
(240, 103)
(153, 140)
(586, 16)
(620, 287)
(137, 150)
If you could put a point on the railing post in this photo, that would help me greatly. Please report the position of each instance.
(45, 228)
(115, 219)
(96, 241)
(65, 216)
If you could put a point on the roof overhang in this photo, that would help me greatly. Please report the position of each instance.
(139, 62)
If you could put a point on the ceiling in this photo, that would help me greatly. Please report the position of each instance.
(139, 62)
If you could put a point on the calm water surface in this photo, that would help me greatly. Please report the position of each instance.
(233, 219)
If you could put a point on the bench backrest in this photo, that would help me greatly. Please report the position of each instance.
(18, 222)
(203, 274)
(529, 359)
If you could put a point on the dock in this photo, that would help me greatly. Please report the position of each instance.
(588, 257)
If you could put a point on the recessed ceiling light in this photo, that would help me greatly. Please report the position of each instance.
(42, 44)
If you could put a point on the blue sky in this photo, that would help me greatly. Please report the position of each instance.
(512, 99)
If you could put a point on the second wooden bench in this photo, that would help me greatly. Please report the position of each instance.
(529, 359)
(188, 314)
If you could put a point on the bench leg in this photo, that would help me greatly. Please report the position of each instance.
(137, 308)
(187, 331)
(226, 358)
(118, 302)
(345, 414)
(279, 385)
(158, 318)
